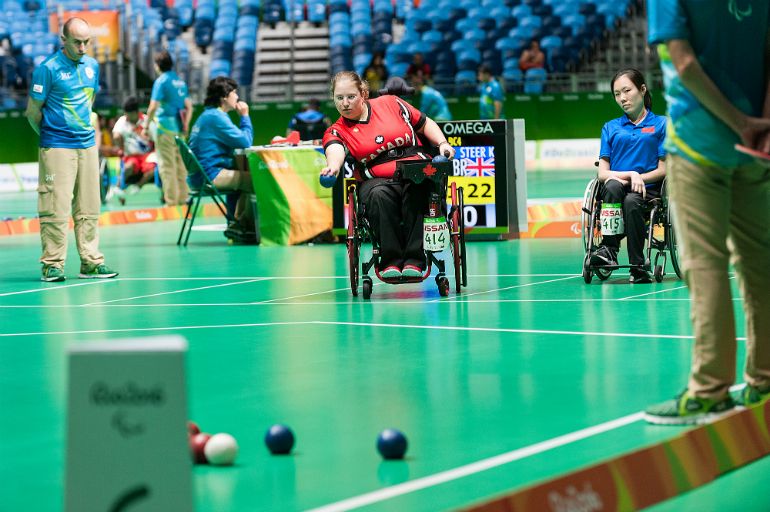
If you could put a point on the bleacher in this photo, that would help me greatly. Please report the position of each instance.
(454, 36)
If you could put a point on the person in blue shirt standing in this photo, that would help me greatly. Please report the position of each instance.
(715, 56)
(214, 139)
(311, 123)
(169, 115)
(59, 110)
(432, 102)
(492, 97)
(631, 169)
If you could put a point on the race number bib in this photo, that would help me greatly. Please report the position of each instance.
(612, 219)
(435, 234)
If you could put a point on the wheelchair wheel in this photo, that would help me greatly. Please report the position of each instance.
(589, 201)
(443, 285)
(658, 273)
(353, 242)
(587, 274)
(670, 234)
(367, 287)
(603, 274)
(458, 238)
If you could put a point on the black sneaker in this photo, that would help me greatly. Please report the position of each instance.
(604, 256)
(639, 276)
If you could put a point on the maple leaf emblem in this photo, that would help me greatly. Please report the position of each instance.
(429, 170)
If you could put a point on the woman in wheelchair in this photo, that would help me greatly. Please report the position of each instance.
(631, 170)
(377, 133)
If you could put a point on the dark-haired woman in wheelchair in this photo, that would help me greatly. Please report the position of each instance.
(631, 170)
(377, 133)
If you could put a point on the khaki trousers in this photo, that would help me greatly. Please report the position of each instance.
(228, 180)
(68, 181)
(172, 171)
(723, 216)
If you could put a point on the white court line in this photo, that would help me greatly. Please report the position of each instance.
(511, 330)
(571, 276)
(482, 465)
(478, 466)
(174, 292)
(652, 293)
(273, 301)
(151, 329)
(227, 278)
(57, 286)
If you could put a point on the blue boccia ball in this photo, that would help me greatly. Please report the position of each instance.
(440, 158)
(279, 439)
(392, 444)
(327, 181)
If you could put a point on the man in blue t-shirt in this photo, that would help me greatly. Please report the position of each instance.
(169, 115)
(714, 55)
(432, 102)
(59, 110)
(491, 95)
(311, 123)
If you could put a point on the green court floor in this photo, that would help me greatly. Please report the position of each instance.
(528, 374)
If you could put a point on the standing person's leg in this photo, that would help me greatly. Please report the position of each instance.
(382, 202)
(167, 152)
(412, 211)
(180, 171)
(701, 197)
(750, 241)
(85, 209)
(56, 180)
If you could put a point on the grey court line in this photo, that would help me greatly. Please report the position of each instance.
(482, 465)
(184, 290)
(273, 301)
(57, 286)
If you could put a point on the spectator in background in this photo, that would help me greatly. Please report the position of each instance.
(173, 108)
(376, 74)
(311, 123)
(214, 139)
(432, 102)
(138, 168)
(532, 57)
(491, 95)
(419, 64)
(59, 109)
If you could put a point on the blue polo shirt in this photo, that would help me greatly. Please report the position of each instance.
(433, 104)
(490, 92)
(170, 91)
(67, 89)
(214, 139)
(630, 147)
(728, 38)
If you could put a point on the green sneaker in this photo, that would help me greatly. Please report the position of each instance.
(752, 396)
(686, 409)
(52, 274)
(101, 271)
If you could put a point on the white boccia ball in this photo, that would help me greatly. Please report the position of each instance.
(221, 450)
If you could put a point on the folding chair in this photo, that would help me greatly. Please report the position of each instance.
(207, 189)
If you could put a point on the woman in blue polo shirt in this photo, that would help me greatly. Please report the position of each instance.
(631, 168)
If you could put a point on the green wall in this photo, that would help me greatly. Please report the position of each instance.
(547, 116)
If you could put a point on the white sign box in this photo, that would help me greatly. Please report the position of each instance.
(127, 427)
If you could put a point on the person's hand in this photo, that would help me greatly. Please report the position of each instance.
(328, 171)
(637, 184)
(622, 181)
(446, 149)
(754, 133)
(242, 108)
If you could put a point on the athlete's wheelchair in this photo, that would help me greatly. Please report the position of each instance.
(359, 230)
(661, 236)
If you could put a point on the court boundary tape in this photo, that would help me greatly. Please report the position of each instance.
(650, 475)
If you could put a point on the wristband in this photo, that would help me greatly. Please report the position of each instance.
(443, 142)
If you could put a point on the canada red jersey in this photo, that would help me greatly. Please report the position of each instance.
(392, 123)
